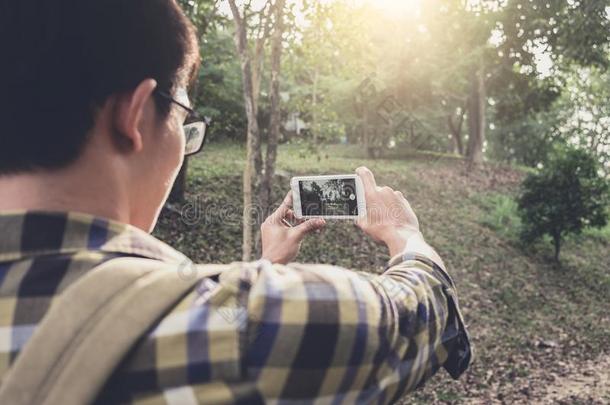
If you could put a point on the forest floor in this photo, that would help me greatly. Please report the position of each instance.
(541, 330)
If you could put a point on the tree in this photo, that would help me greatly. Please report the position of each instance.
(564, 197)
(459, 76)
(322, 66)
(531, 111)
(518, 32)
(477, 117)
(256, 188)
(274, 121)
(583, 112)
(253, 134)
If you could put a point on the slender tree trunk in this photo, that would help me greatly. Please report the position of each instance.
(368, 134)
(256, 83)
(557, 244)
(456, 132)
(477, 122)
(314, 104)
(257, 76)
(253, 136)
(275, 118)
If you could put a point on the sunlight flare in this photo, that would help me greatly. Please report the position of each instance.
(411, 6)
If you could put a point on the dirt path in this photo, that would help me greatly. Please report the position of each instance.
(590, 385)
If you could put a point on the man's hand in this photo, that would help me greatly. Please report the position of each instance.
(281, 242)
(390, 218)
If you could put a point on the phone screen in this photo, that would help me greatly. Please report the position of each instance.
(325, 197)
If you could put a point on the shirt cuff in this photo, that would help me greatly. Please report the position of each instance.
(438, 271)
(456, 338)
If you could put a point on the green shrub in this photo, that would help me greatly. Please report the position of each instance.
(565, 197)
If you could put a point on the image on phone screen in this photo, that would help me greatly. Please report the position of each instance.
(325, 197)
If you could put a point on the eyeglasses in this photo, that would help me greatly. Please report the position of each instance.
(195, 125)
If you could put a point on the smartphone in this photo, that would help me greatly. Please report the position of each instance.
(329, 197)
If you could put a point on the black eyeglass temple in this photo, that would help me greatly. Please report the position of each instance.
(195, 114)
(171, 99)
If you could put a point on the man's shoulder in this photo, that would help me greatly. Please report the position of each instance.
(132, 241)
(32, 234)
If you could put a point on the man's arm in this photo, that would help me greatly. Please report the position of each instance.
(318, 331)
(326, 331)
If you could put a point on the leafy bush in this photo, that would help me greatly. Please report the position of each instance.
(565, 197)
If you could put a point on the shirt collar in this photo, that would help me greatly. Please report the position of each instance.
(26, 234)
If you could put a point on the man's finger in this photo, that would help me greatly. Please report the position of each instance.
(291, 215)
(368, 179)
(309, 226)
(283, 209)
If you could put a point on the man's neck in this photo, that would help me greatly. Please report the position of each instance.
(65, 190)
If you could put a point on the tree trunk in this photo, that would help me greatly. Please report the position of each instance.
(275, 118)
(314, 104)
(477, 103)
(257, 76)
(256, 81)
(367, 134)
(253, 136)
(557, 244)
(456, 132)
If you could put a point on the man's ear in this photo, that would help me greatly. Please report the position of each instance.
(130, 108)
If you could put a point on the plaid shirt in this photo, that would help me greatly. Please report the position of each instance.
(258, 333)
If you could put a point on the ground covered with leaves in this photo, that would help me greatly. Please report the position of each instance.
(541, 330)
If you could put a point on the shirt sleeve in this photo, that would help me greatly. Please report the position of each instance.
(320, 331)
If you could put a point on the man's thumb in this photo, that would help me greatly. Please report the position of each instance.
(309, 226)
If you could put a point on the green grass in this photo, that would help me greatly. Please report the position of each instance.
(600, 234)
(502, 215)
(512, 297)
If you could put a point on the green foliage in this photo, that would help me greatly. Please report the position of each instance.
(396, 78)
(220, 92)
(600, 234)
(577, 114)
(583, 112)
(526, 140)
(323, 66)
(573, 31)
(217, 91)
(358, 72)
(502, 215)
(564, 197)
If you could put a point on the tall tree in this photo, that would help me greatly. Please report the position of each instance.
(253, 136)
(477, 117)
(256, 183)
(275, 113)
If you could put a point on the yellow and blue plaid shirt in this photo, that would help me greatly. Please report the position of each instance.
(258, 333)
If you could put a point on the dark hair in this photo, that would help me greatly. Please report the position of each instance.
(60, 59)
